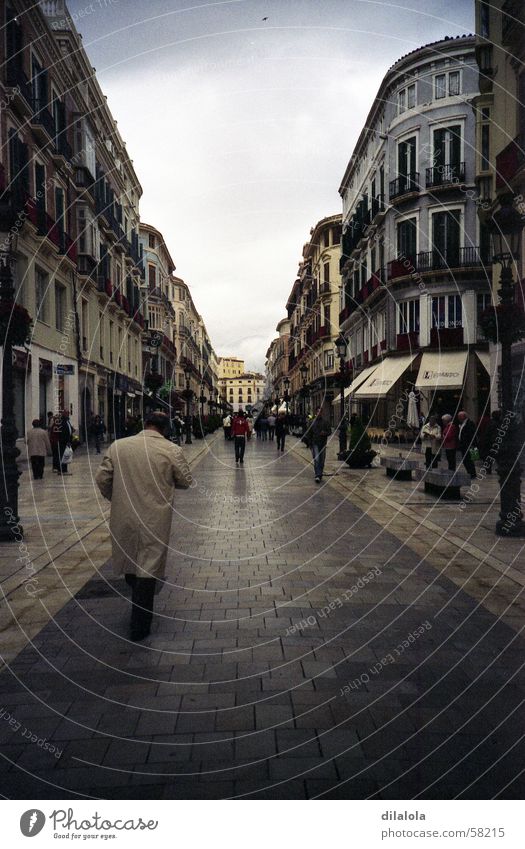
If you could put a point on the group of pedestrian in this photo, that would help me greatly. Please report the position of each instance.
(462, 435)
(55, 440)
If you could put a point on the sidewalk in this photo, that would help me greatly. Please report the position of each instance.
(456, 537)
(66, 540)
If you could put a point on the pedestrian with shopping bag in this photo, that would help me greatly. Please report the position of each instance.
(320, 430)
(38, 448)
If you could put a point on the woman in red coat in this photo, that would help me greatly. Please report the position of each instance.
(450, 441)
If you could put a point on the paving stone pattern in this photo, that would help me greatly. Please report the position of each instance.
(266, 674)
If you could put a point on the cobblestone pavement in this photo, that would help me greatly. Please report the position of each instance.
(302, 648)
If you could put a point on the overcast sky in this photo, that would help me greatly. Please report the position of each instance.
(240, 129)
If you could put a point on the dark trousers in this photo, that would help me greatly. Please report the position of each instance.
(240, 448)
(142, 595)
(37, 464)
(431, 460)
(468, 462)
(227, 432)
(271, 433)
(451, 459)
(56, 456)
(280, 441)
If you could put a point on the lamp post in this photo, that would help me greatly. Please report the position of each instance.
(506, 227)
(188, 394)
(340, 347)
(10, 528)
(303, 393)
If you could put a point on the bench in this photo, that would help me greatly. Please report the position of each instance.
(445, 483)
(399, 467)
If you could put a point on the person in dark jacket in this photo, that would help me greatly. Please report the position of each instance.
(99, 429)
(489, 446)
(281, 429)
(320, 430)
(38, 448)
(65, 434)
(467, 440)
(240, 431)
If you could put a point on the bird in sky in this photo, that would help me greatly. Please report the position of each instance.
(265, 19)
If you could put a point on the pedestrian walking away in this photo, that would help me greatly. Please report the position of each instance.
(38, 448)
(320, 430)
(139, 475)
(467, 441)
(281, 431)
(489, 445)
(431, 440)
(240, 430)
(271, 426)
(99, 430)
(449, 435)
(263, 424)
(227, 426)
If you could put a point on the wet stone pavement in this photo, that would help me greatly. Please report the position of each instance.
(298, 651)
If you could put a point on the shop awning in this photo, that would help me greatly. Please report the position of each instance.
(357, 381)
(484, 358)
(385, 376)
(442, 370)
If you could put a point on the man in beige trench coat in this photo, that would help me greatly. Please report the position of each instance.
(139, 475)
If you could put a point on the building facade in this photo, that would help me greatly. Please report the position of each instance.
(500, 165)
(415, 259)
(313, 308)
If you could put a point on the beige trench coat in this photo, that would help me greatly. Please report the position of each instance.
(139, 475)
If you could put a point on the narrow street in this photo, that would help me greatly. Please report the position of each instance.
(300, 650)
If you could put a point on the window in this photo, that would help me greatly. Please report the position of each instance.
(59, 211)
(119, 342)
(41, 294)
(406, 163)
(39, 88)
(440, 86)
(449, 83)
(411, 96)
(446, 234)
(447, 312)
(407, 238)
(101, 333)
(60, 306)
(483, 302)
(84, 322)
(447, 146)
(151, 240)
(406, 98)
(328, 360)
(485, 146)
(401, 101)
(111, 336)
(152, 277)
(408, 316)
(326, 273)
(484, 20)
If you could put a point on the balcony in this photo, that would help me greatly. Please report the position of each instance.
(445, 176)
(16, 78)
(430, 261)
(509, 162)
(63, 148)
(42, 121)
(378, 207)
(446, 337)
(407, 341)
(104, 285)
(86, 264)
(406, 185)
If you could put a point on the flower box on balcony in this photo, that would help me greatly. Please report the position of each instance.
(125, 304)
(383, 344)
(400, 268)
(109, 288)
(118, 297)
(407, 341)
(446, 337)
(374, 352)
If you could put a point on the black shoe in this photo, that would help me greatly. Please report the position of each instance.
(241, 462)
(137, 635)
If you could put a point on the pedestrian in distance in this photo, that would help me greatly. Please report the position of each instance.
(281, 430)
(99, 431)
(38, 448)
(139, 475)
(227, 426)
(320, 430)
(263, 423)
(271, 427)
(431, 441)
(249, 419)
(449, 442)
(489, 445)
(240, 430)
(467, 441)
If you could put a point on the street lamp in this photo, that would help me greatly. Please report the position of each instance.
(188, 394)
(10, 528)
(340, 347)
(506, 227)
(303, 393)
(286, 384)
